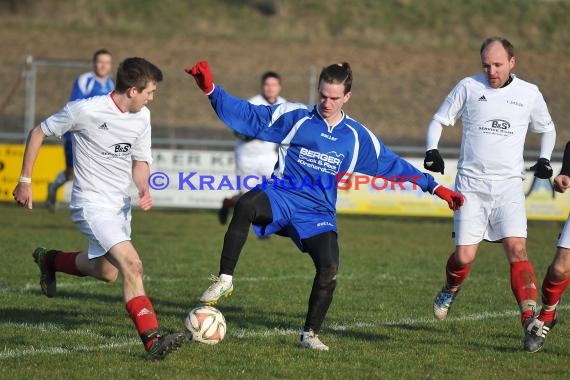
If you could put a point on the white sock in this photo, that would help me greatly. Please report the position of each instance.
(226, 278)
(59, 180)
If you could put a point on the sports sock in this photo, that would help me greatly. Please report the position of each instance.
(59, 180)
(63, 262)
(226, 277)
(552, 290)
(142, 313)
(455, 274)
(523, 285)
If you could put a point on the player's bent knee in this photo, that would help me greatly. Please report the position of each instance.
(134, 268)
(326, 277)
(110, 275)
(559, 271)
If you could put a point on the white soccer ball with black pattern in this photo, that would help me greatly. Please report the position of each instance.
(206, 324)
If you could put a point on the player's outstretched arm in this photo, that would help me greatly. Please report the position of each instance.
(23, 191)
(141, 172)
(239, 114)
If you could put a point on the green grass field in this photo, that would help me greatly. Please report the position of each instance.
(379, 326)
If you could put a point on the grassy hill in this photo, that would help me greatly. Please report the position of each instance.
(406, 54)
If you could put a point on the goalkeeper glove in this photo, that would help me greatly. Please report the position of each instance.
(542, 168)
(203, 76)
(433, 161)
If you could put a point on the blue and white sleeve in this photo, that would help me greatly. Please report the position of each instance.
(394, 168)
(268, 123)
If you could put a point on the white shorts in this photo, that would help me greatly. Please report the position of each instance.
(564, 239)
(103, 227)
(493, 210)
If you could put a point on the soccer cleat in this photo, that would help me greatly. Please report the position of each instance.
(216, 291)
(50, 201)
(165, 345)
(47, 276)
(443, 302)
(535, 332)
(311, 340)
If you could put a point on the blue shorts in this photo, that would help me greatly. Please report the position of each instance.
(68, 148)
(295, 217)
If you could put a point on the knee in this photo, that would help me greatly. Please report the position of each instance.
(517, 252)
(326, 277)
(463, 257)
(109, 275)
(133, 268)
(559, 271)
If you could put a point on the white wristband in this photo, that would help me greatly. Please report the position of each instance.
(25, 180)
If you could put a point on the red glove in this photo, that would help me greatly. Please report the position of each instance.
(453, 199)
(203, 76)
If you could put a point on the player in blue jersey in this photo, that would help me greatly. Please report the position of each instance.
(318, 146)
(93, 83)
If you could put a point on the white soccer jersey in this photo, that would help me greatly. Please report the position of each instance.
(495, 123)
(257, 157)
(105, 142)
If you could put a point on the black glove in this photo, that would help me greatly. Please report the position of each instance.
(542, 168)
(433, 161)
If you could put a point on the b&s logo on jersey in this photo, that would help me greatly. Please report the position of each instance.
(497, 127)
(118, 150)
(328, 163)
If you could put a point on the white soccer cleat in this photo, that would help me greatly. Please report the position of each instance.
(217, 290)
(311, 340)
(443, 302)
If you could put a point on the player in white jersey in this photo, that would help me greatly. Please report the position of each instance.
(497, 109)
(557, 276)
(111, 142)
(93, 83)
(255, 157)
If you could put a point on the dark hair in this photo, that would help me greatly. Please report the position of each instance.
(338, 73)
(100, 52)
(506, 44)
(136, 72)
(270, 74)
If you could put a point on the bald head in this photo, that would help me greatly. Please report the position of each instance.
(497, 60)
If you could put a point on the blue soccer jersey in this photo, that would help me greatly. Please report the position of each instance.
(313, 157)
(88, 85)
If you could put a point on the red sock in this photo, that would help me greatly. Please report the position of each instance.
(65, 262)
(455, 273)
(523, 284)
(142, 313)
(551, 292)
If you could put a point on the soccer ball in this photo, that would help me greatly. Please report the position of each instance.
(206, 324)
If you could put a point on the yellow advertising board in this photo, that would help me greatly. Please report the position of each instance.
(50, 161)
(381, 197)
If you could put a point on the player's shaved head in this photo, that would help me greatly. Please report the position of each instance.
(338, 73)
(136, 72)
(503, 41)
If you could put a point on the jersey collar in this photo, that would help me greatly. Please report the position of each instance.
(115, 103)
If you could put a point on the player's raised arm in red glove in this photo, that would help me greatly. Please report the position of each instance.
(454, 199)
(202, 75)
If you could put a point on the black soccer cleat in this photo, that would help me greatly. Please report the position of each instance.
(47, 275)
(164, 345)
(535, 332)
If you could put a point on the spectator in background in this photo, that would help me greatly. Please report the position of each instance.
(93, 83)
(255, 157)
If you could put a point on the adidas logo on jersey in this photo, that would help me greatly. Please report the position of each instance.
(483, 98)
(103, 127)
